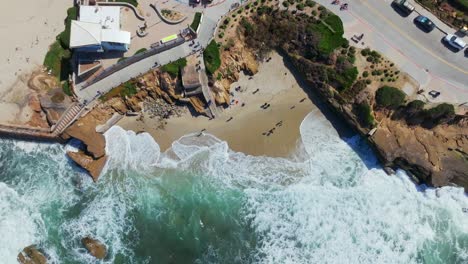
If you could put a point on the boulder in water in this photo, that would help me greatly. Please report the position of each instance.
(95, 247)
(31, 255)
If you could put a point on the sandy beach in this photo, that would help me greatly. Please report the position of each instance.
(245, 132)
(28, 28)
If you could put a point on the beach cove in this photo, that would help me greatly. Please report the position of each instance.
(250, 124)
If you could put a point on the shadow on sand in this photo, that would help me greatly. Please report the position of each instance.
(337, 121)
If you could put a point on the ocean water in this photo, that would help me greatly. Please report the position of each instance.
(200, 202)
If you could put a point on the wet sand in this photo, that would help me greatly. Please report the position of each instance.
(245, 131)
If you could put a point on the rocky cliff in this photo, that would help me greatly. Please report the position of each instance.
(434, 152)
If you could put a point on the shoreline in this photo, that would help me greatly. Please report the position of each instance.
(248, 129)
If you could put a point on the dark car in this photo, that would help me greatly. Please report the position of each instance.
(425, 23)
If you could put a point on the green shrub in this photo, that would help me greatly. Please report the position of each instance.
(439, 112)
(129, 89)
(389, 97)
(365, 52)
(173, 68)
(365, 74)
(64, 37)
(196, 21)
(212, 57)
(66, 88)
(368, 81)
(247, 26)
(300, 7)
(364, 114)
(310, 3)
(140, 51)
(285, 4)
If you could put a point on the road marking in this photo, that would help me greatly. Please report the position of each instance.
(375, 11)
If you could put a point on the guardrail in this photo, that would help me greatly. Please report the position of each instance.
(163, 18)
(123, 4)
(135, 58)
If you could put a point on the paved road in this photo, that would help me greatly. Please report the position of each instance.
(420, 54)
(207, 30)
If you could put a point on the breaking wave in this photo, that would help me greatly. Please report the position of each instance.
(201, 202)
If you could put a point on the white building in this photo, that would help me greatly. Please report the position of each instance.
(98, 29)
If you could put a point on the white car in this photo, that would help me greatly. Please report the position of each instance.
(455, 41)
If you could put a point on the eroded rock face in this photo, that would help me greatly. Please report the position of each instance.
(436, 156)
(95, 142)
(95, 247)
(93, 166)
(30, 255)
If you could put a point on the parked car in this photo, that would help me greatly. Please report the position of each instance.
(404, 6)
(425, 23)
(454, 41)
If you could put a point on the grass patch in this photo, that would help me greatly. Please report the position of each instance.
(196, 21)
(331, 33)
(389, 97)
(140, 51)
(57, 60)
(173, 68)
(212, 57)
(121, 59)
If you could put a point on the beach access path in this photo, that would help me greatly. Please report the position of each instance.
(211, 17)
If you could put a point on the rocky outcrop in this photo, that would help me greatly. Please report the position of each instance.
(95, 247)
(93, 157)
(235, 59)
(31, 255)
(436, 156)
(91, 165)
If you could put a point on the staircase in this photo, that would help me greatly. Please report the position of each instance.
(67, 119)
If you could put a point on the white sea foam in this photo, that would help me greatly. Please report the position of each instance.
(20, 225)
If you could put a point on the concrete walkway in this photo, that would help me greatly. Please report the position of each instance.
(208, 28)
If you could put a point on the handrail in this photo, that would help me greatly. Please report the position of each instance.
(135, 58)
(159, 12)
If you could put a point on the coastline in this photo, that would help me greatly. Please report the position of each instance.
(244, 133)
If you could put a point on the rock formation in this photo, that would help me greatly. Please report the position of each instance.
(95, 247)
(30, 255)
(92, 165)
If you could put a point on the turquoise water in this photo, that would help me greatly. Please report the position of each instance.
(203, 203)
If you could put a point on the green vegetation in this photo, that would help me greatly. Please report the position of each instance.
(439, 112)
(64, 37)
(58, 57)
(310, 3)
(331, 33)
(300, 6)
(352, 92)
(346, 77)
(389, 97)
(212, 57)
(57, 60)
(140, 51)
(121, 59)
(364, 114)
(196, 21)
(128, 88)
(247, 26)
(133, 2)
(173, 68)
(66, 88)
